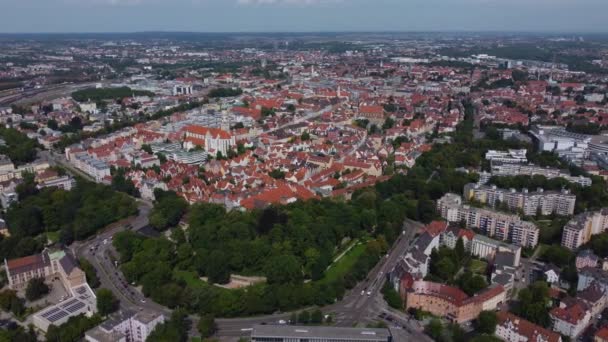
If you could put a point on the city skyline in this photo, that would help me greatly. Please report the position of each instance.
(71, 16)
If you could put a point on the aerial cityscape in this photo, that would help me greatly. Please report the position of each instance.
(302, 180)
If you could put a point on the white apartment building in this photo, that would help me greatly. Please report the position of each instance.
(581, 228)
(510, 156)
(95, 168)
(486, 248)
(126, 326)
(571, 319)
(546, 202)
(510, 169)
(494, 224)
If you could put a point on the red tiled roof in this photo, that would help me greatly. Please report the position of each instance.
(526, 328)
(436, 227)
(602, 333)
(214, 132)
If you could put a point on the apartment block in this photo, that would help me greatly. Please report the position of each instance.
(530, 203)
(511, 169)
(494, 224)
(581, 228)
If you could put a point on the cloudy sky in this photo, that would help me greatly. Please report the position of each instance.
(302, 15)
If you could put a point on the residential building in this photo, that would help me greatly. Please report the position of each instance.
(94, 167)
(494, 224)
(507, 169)
(511, 328)
(450, 237)
(581, 228)
(290, 333)
(601, 335)
(126, 326)
(486, 248)
(589, 275)
(451, 302)
(63, 182)
(571, 318)
(530, 203)
(586, 258)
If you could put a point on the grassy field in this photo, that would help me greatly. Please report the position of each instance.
(478, 266)
(341, 267)
(190, 278)
(53, 236)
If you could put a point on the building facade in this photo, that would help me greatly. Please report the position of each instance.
(511, 328)
(581, 228)
(494, 224)
(530, 203)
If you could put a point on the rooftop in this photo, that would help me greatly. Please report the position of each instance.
(355, 334)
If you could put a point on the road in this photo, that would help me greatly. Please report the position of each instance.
(54, 158)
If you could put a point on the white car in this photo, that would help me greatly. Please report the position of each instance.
(282, 321)
(369, 293)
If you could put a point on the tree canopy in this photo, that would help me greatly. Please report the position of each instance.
(75, 214)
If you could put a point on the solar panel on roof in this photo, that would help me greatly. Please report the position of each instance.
(75, 307)
(81, 290)
(70, 302)
(50, 312)
(58, 316)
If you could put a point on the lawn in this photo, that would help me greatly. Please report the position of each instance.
(341, 267)
(53, 236)
(191, 279)
(478, 266)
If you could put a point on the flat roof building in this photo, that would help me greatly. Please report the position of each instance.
(289, 333)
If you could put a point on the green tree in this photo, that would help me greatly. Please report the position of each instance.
(304, 317)
(486, 322)
(459, 249)
(316, 317)
(106, 302)
(218, 269)
(36, 289)
(392, 297)
(434, 329)
(207, 326)
(283, 269)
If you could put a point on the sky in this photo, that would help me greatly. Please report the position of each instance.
(32, 16)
